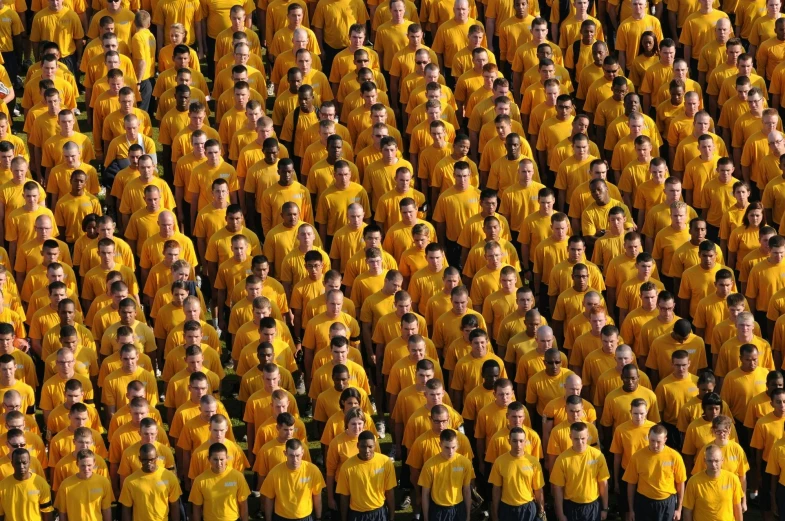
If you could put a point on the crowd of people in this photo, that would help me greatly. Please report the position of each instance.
(539, 245)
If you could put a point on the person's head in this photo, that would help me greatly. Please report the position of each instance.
(721, 427)
(658, 434)
(748, 354)
(579, 436)
(630, 378)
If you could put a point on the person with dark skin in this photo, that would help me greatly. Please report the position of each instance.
(40, 501)
(182, 99)
(136, 494)
(490, 373)
(381, 472)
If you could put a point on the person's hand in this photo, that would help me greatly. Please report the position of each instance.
(616, 487)
(561, 517)
(372, 358)
(331, 504)
(22, 345)
(630, 515)
(677, 515)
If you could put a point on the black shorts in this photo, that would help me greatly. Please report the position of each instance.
(380, 514)
(525, 512)
(647, 509)
(440, 513)
(582, 511)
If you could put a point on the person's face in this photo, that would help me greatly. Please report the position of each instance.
(355, 427)
(197, 390)
(21, 463)
(681, 367)
(218, 462)
(130, 361)
(679, 217)
(707, 259)
(698, 231)
(755, 217)
(778, 402)
(539, 32)
(334, 304)
(166, 224)
(50, 255)
(665, 308)
(106, 254)
(630, 380)
(580, 440)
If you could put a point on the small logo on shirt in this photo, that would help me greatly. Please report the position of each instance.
(593, 461)
(305, 480)
(457, 469)
(726, 487)
(163, 483)
(96, 490)
(230, 484)
(379, 470)
(667, 463)
(692, 389)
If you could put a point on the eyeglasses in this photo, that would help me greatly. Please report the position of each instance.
(553, 362)
(19, 445)
(422, 63)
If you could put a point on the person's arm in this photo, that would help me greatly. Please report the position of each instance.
(688, 52)
(196, 515)
(243, 505)
(630, 491)
(496, 497)
(425, 502)
(603, 486)
(344, 500)
(106, 514)
(115, 478)
(558, 502)
(680, 500)
(481, 463)
(64, 516)
(317, 506)
(738, 515)
(126, 515)
(467, 500)
(617, 473)
(174, 511)
(194, 208)
(389, 496)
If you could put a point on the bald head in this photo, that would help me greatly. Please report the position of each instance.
(544, 332)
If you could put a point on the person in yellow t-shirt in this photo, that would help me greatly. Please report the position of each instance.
(580, 479)
(292, 490)
(151, 493)
(445, 480)
(366, 483)
(518, 482)
(220, 492)
(71, 209)
(87, 494)
(714, 493)
(655, 478)
(24, 495)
